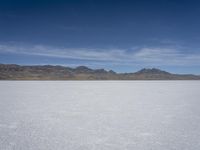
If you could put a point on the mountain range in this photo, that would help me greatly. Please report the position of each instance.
(50, 72)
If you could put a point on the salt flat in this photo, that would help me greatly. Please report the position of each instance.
(99, 115)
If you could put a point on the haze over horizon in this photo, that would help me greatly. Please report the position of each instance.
(124, 36)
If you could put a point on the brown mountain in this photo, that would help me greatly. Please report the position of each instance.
(49, 72)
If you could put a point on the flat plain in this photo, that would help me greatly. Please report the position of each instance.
(99, 115)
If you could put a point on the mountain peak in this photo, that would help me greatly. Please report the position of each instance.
(151, 71)
(83, 69)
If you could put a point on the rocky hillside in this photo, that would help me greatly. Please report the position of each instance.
(48, 72)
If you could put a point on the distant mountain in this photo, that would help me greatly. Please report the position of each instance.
(49, 72)
(151, 71)
(157, 74)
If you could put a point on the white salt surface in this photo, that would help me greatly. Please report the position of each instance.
(100, 115)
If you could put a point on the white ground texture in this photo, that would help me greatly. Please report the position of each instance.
(99, 115)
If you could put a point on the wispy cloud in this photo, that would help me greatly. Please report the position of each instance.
(164, 56)
(138, 56)
(72, 53)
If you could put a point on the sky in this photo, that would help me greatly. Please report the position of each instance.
(122, 35)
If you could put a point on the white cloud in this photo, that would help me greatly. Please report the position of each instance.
(139, 56)
(163, 56)
(73, 53)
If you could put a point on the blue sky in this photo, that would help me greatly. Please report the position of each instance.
(121, 35)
